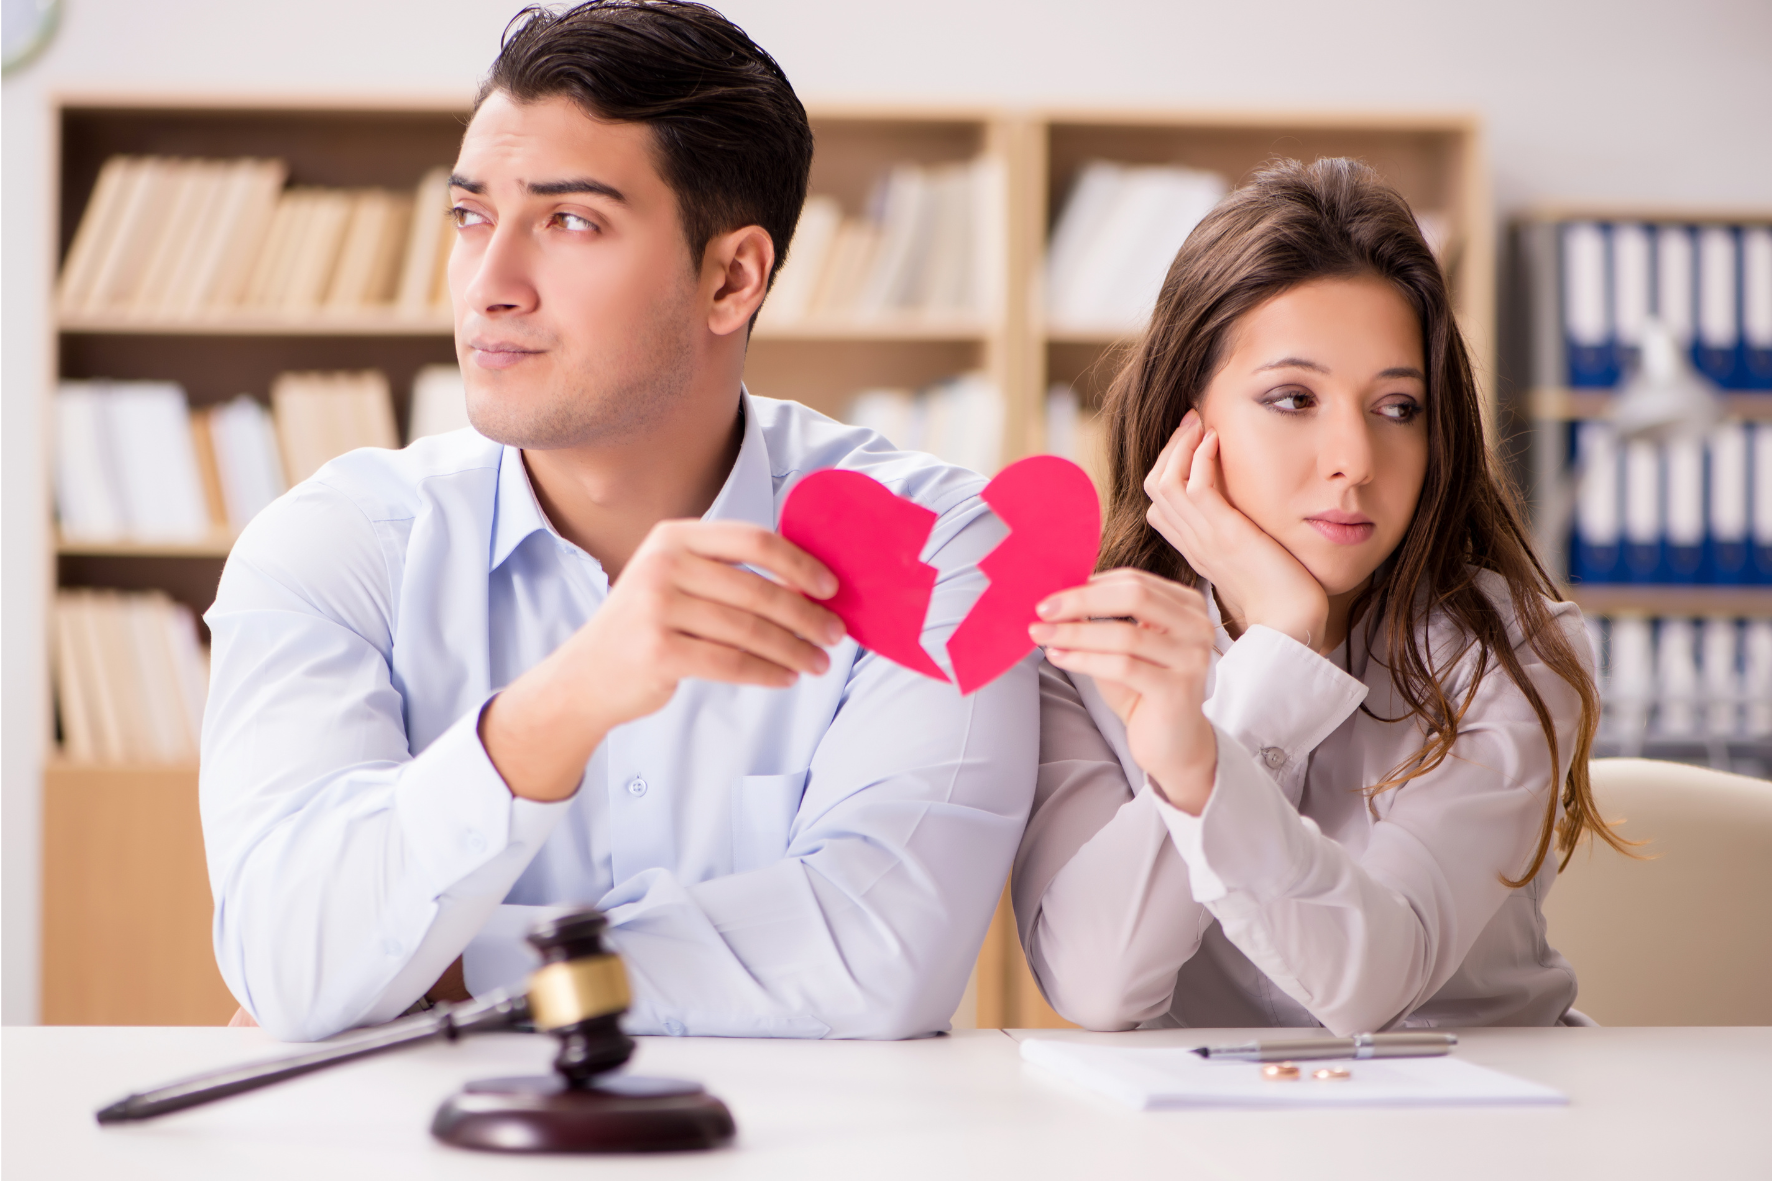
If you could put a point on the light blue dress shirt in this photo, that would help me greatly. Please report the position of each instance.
(819, 861)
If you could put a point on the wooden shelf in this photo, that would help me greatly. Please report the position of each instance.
(1562, 405)
(215, 547)
(1101, 337)
(367, 323)
(1673, 600)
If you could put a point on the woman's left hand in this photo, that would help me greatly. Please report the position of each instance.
(1148, 644)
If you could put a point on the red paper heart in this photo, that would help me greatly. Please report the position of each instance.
(1054, 520)
(871, 540)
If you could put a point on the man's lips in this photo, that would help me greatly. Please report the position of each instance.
(497, 355)
(1342, 528)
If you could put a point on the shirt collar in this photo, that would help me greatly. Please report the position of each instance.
(747, 495)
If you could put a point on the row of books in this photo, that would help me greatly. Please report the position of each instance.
(1692, 510)
(167, 240)
(1076, 432)
(130, 677)
(1677, 678)
(931, 244)
(1711, 284)
(135, 463)
(958, 419)
(1114, 239)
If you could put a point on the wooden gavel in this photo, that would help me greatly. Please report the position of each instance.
(579, 995)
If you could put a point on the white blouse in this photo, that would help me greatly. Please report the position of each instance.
(1295, 899)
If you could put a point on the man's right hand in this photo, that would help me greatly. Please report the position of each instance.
(683, 607)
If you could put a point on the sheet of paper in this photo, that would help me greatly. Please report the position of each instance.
(1155, 1079)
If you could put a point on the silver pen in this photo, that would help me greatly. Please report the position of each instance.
(1361, 1045)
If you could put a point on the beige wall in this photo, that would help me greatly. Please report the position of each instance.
(1633, 101)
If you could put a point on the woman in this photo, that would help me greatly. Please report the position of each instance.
(1322, 785)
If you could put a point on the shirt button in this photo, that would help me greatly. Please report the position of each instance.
(476, 843)
(674, 1027)
(636, 787)
(391, 946)
(1273, 756)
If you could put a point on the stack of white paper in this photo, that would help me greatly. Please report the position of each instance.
(1159, 1078)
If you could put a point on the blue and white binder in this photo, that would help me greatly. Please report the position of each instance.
(1716, 348)
(1676, 297)
(1760, 483)
(1632, 291)
(1682, 553)
(1596, 554)
(1587, 318)
(1643, 521)
(1756, 307)
(1726, 557)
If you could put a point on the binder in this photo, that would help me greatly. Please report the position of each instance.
(1721, 667)
(1595, 554)
(1632, 676)
(1676, 679)
(1726, 558)
(1756, 307)
(1643, 519)
(1716, 349)
(1683, 550)
(1633, 296)
(1675, 298)
(1587, 315)
(1756, 678)
(1760, 486)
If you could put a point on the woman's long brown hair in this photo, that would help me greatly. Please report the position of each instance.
(1290, 224)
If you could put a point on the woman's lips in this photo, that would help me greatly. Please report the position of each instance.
(1342, 532)
(494, 357)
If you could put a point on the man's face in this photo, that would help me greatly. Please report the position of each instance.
(575, 300)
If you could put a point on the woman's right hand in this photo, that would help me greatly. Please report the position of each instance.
(1257, 579)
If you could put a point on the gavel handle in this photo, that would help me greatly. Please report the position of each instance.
(495, 1011)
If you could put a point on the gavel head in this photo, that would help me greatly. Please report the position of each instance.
(579, 994)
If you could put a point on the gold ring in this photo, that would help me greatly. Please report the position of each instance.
(1279, 1072)
(1332, 1074)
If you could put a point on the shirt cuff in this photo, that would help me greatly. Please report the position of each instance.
(457, 813)
(1278, 698)
(1248, 838)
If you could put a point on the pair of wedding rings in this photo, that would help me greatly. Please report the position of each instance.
(1289, 1072)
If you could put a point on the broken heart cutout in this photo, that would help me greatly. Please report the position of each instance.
(872, 541)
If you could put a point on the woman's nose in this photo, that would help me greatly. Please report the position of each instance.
(1345, 448)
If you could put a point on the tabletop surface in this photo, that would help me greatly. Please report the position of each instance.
(1644, 1102)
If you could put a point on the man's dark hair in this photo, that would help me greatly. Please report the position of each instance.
(732, 139)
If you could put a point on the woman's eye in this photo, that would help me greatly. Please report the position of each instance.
(1403, 411)
(1291, 401)
(465, 217)
(573, 222)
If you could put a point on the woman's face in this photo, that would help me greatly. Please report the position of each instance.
(1320, 410)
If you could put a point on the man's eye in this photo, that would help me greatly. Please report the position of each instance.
(465, 217)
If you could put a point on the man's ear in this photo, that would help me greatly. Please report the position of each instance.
(735, 273)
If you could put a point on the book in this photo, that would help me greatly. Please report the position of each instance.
(320, 416)
(439, 402)
(958, 419)
(369, 255)
(248, 460)
(126, 467)
(797, 280)
(130, 677)
(429, 230)
(315, 250)
(1172, 1078)
(96, 232)
(1756, 307)
(1115, 238)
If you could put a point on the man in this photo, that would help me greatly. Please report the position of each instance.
(535, 665)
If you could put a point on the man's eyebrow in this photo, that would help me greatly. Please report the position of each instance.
(1293, 363)
(548, 188)
(583, 184)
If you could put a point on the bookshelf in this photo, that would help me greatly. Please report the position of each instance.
(137, 823)
(1550, 408)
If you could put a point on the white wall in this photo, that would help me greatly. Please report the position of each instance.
(1630, 101)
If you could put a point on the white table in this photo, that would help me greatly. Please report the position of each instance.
(1645, 1103)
